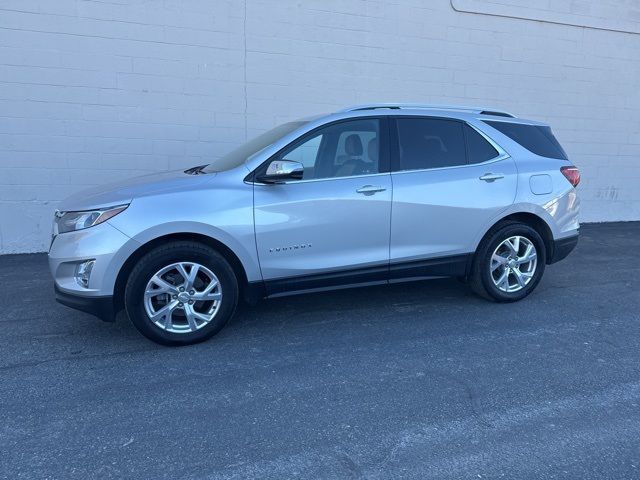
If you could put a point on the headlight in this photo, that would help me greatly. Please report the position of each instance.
(72, 221)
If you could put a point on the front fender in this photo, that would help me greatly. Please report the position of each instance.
(223, 214)
(247, 256)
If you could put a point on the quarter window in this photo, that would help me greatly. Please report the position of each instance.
(478, 149)
(430, 143)
(538, 139)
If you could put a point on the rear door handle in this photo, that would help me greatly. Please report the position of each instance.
(370, 189)
(491, 177)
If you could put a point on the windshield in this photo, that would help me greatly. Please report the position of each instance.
(239, 155)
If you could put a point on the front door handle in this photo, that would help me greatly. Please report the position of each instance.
(491, 177)
(370, 189)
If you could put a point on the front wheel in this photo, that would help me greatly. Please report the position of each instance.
(509, 263)
(181, 293)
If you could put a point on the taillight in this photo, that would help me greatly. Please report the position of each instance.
(572, 174)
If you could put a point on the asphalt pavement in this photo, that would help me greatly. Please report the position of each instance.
(420, 381)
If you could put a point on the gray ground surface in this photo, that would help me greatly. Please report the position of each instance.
(419, 380)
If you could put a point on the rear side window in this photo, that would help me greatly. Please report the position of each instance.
(430, 143)
(535, 138)
(478, 149)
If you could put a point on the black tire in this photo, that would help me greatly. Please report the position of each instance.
(481, 280)
(160, 257)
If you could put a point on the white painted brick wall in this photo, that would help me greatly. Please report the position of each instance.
(95, 91)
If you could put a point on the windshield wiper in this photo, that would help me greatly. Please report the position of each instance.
(196, 170)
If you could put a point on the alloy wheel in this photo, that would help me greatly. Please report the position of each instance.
(182, 297)
(513, 264)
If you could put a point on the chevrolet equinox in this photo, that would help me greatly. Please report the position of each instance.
(374, 194)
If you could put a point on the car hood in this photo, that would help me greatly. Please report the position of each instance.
(118, 193)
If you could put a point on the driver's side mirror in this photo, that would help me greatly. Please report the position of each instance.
(282, 170)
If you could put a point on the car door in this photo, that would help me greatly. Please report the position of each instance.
(449, 181)
(332, 226)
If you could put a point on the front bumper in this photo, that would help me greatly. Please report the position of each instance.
(101, 307)
(105, 245)
(109, 248)
(562, 248)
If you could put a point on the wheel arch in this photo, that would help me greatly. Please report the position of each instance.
(224, 250)
(531, 219)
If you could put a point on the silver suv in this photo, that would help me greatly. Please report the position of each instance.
(373, 194)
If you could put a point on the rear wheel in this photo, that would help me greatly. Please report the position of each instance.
(509, 263)
(181, 293)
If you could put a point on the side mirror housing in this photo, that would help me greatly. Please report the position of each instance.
(282, 170)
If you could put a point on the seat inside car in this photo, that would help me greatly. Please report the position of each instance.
(353, 163)
(372, 153)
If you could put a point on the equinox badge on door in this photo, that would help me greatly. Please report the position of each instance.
(292, 247)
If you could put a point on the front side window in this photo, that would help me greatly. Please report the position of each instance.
(343, 149)
(430, 143)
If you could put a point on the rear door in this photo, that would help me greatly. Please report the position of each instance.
(449, 181)
(332, 226)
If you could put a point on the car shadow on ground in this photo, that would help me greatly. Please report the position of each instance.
(345, 305)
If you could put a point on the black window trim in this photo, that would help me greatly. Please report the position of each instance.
(383, 161)
(394, 145)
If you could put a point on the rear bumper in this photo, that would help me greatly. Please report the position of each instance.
(101, 307)
(562, 248)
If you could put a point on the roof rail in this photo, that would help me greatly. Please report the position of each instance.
(400, 106)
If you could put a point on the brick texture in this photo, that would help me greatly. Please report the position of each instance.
(96, 91)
